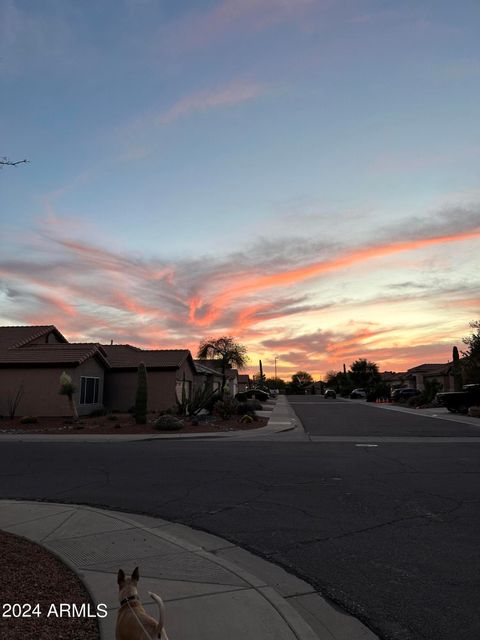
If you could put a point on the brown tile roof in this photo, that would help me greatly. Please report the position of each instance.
(19, 336)
(427, 368)
(51, 354)
(216, 363)
(124, 356)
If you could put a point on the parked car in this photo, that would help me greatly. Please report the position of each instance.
(460, 401)
(330, 393)
(404, 393)
(358, 393)
(258, 394)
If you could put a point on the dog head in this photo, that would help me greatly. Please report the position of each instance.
(128, 586)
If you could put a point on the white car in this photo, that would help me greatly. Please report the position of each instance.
(358, 393)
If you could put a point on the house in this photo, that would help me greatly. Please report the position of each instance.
(32, 360)
(207, 378)
(243, 382)
(168, 372)
(231, 375)
(442, 373)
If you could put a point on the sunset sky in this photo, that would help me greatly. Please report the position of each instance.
(301, 174)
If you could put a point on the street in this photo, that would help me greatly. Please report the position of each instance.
(388, 529)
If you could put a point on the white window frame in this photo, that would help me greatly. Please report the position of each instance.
(83, 389)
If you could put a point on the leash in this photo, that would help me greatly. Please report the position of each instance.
(132, 609)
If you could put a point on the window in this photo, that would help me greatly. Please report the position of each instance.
(89, 390)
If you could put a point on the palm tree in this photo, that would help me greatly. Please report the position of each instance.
(225, 349)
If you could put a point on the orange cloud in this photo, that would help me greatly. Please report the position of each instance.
(253, 284)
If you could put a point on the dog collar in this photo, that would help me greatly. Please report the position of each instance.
(125, 600)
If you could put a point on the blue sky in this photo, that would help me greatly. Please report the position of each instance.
(202, 145)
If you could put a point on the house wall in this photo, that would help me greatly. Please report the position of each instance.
(40, 389)
(121, 388)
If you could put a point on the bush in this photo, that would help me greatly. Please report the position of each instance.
(225, 408)
(212, 401)
(246, 419)
(168, 423)
(28, 420)
(249, 407)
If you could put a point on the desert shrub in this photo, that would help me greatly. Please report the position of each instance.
(249, 407)
(225, 408)
(28, 420)
(242, 396)
(168, 423)
(171, 411)
(415, 401)
(246, 419)
(212, 401)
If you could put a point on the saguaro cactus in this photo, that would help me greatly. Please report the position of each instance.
(457, 370)
(141, 395)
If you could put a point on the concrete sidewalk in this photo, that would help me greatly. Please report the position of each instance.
(213, 590)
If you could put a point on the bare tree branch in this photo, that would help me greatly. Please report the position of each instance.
(6, 162)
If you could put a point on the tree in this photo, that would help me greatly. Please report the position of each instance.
(299, 382)
(225, 349)
(275, 383)
(141, 395)
(67, 388)
(364, 373)
(472, 354)
(6, 162)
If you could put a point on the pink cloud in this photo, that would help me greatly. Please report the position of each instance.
(230, 95)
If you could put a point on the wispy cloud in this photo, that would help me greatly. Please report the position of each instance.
(95, 293)
(237, 92)
(202, 28)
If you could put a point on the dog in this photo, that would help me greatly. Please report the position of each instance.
(133, 623)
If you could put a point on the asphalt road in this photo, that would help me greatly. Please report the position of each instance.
(389, 532)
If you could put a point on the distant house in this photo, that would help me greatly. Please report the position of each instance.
(168, 370)
(31, 362)
(207, 378)
(442, 373)
(243, 381)
(230, 374)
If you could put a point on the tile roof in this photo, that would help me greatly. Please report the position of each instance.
(216, 363)
(202, 368)
(243, 377)
(11, 337)
(124, 356)
(51, 354)
(427, 368)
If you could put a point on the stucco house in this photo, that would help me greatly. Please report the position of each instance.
(32, 360)
(207, 377)
(442, 373)
(168, 370)
(231, 375)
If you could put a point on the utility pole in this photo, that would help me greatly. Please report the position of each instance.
(276, 367)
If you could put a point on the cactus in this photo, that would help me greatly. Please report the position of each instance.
(141, 395)
(457, 370)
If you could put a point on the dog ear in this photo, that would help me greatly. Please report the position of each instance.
(135, 575)
(120, 577)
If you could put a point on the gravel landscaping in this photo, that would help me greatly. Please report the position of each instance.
(33, 576)
(122, 423)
